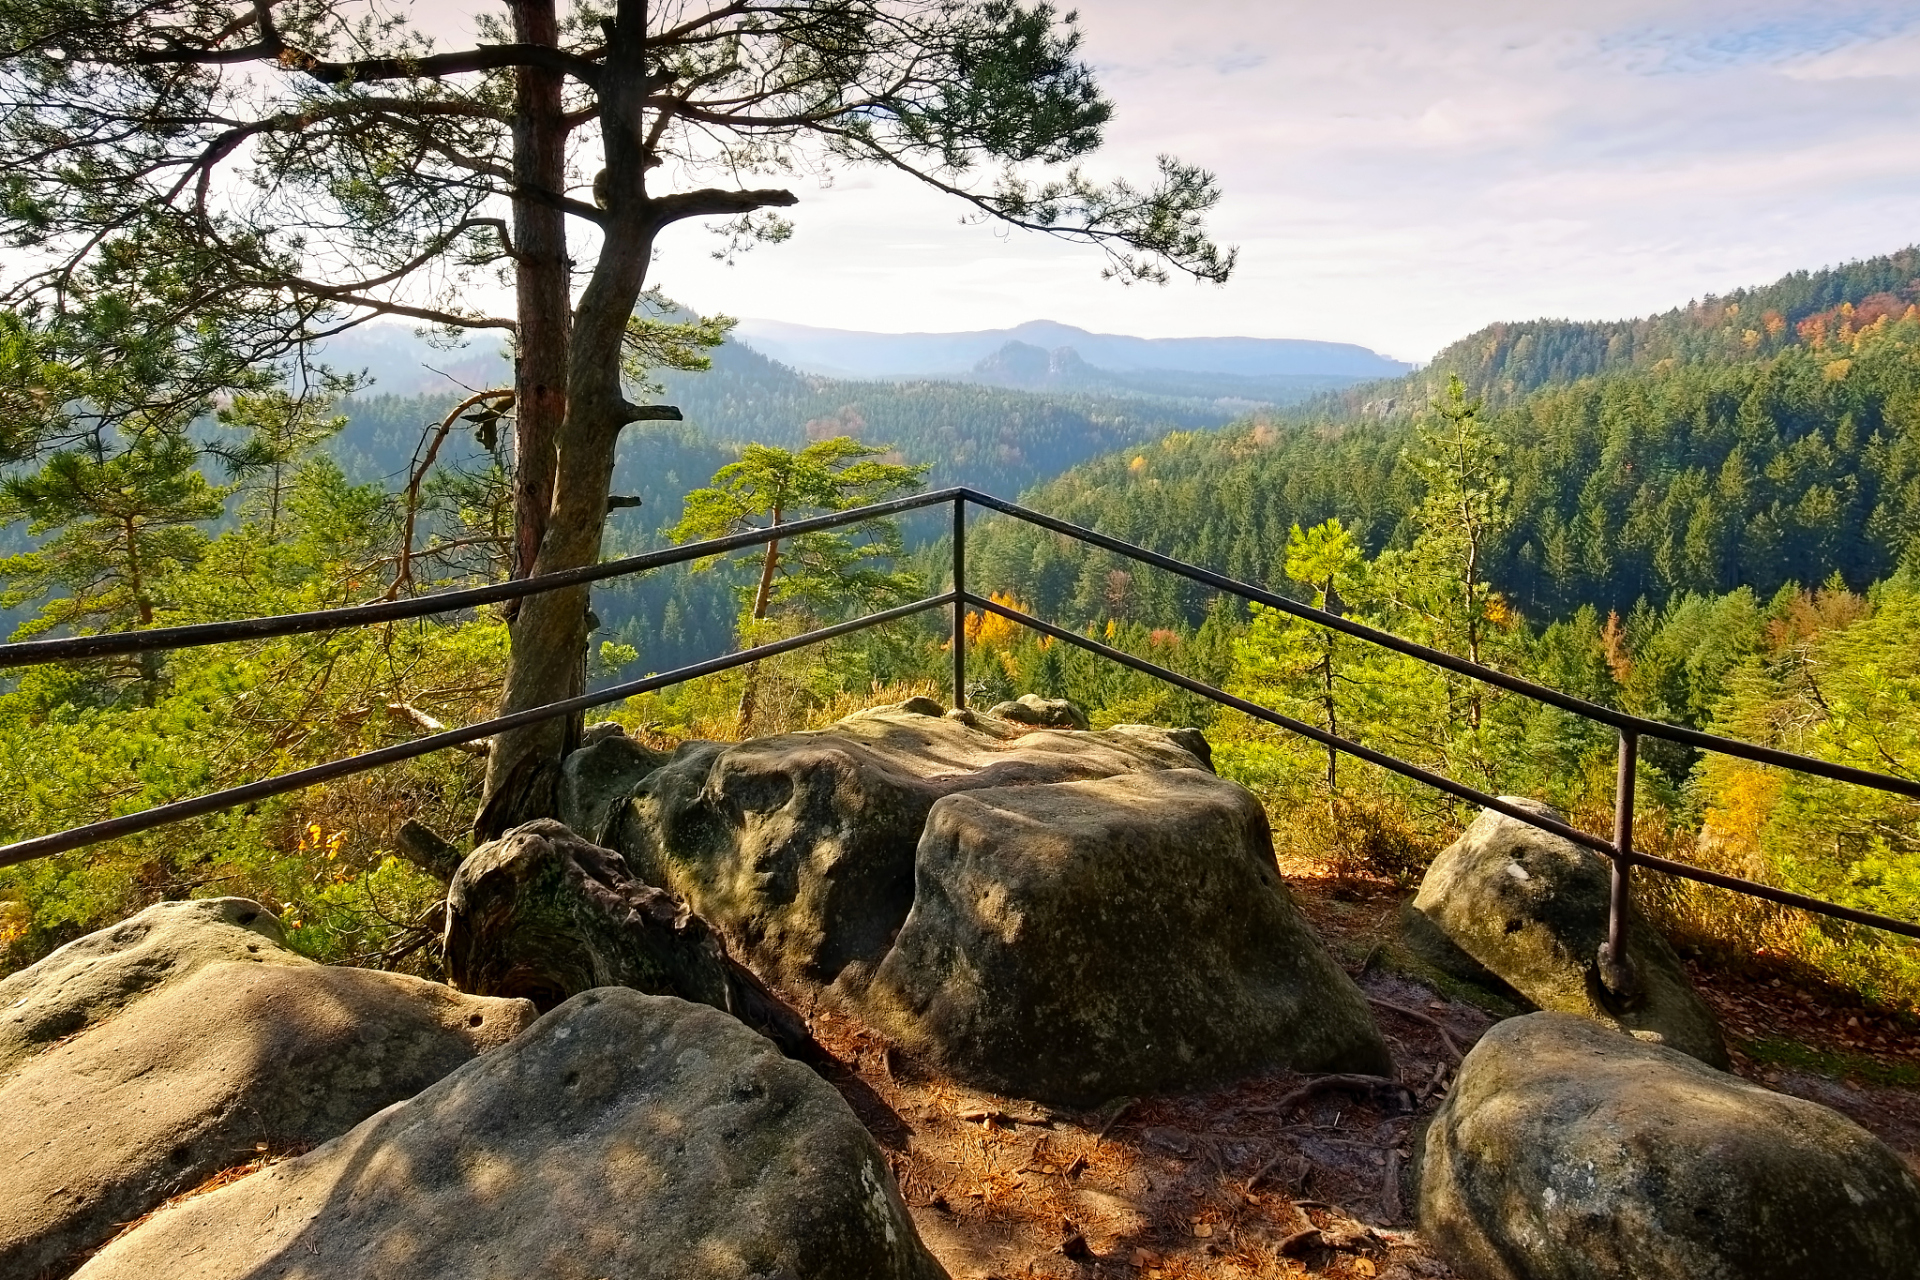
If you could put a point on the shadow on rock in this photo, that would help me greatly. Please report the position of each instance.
(544, 915)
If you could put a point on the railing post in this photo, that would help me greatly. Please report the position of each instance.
(959, 607)
(1615, 972)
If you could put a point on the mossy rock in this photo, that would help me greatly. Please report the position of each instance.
(1567, 1150)
(1131, 935)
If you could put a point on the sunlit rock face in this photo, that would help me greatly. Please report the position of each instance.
(622, 1135)
(187, 1063)
(1083, 941)
(1052, 913)
(1525, 911)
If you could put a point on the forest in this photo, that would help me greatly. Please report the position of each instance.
(1000, 440)
(1707, 517)
(1711, 523)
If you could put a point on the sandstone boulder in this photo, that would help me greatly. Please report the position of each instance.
(1530, 909)
(542, 914)
(800, 846)
(624, 1135)
(597, 781)
(1051, 713)
(1086, 940)
(204, 1072)
(1569, 1151)
(97, 976)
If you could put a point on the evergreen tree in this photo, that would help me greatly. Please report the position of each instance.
(121, 526)
(815, 574)
(299, 167)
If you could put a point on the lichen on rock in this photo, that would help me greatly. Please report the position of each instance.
(204, 1071)
(1082, 941)
(97, 976)
(800, 846)
(1568, 1150)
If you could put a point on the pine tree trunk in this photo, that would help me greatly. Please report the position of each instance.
(548, 658)
(541, 283)
(761, 599)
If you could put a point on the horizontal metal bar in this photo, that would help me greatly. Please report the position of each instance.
(1440, 658)
(1436, 780)
(1442, 783)
(118, 643)
(1785, 897)
(179, 810)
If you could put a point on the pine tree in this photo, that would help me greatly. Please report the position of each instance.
(122, 524)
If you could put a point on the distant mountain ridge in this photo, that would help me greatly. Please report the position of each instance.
(1037, 356)
(1025, 367)
(851, 353)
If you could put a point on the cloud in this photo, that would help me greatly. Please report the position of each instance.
(1398, 172)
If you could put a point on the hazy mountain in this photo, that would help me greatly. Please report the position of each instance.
(1234, 373)
(402, 363)
(983, 431)
(847, 353)
(1026, 367)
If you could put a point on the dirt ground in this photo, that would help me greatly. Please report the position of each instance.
(1283, 1175)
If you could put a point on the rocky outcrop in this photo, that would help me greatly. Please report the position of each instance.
(1087, 940)
(1050, 713)
(1512, 903)
(1569, 1151)
(544, 915)
(624, 1135)
(97, 976)
(207, 1070)
(801, 846)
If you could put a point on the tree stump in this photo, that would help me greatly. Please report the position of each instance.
(542, 914)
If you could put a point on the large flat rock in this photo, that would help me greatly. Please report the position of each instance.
(203, 1071)
(624, 1135)
(800, 847)
(1568, 1150)
(1085, 940)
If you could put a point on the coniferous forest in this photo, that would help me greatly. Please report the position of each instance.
(1708, 516)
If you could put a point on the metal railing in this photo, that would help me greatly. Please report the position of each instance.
(1630, 729)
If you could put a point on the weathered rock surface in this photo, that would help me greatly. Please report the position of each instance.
(196, 1076)
(542, 914)
(624, 1135)
(597, 781)
(1082, 941)
(1530, 909)
(1569, 1151)
(1051, 713)
(97, 976)
(800, 847)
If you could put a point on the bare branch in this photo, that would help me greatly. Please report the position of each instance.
(434, 66)
(712, 201)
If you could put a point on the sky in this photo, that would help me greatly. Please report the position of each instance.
(1398, 173)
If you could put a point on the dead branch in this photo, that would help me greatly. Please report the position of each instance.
(428, 724)
(1322, 1084)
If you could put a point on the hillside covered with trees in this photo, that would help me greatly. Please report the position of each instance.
(1750, 467)
(997, 439)
(1717, 531)
(1722, 538)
